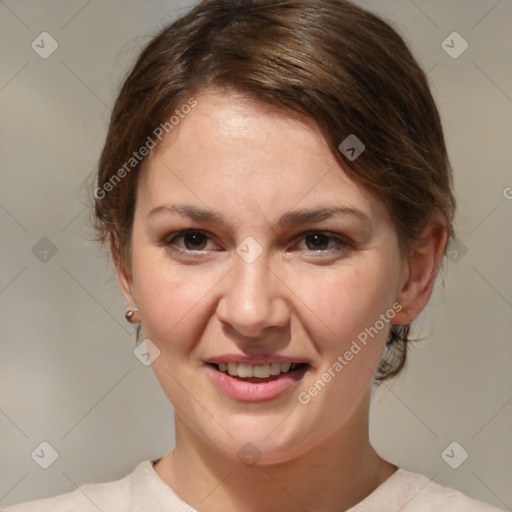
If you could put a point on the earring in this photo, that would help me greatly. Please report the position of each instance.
(129, 314)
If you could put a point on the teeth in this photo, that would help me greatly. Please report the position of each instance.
(233, 369)
(262, 371)
(244, 370)
(275, 369)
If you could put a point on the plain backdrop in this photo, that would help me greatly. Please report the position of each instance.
(68, 375)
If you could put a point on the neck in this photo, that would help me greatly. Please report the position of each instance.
(335, 475)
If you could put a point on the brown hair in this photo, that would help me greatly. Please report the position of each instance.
(329, 61)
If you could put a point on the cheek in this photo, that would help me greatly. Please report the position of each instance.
(171, 301)
(347, 301)
(170, 298)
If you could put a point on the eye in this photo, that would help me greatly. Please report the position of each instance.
(318, 241)
(193, 240)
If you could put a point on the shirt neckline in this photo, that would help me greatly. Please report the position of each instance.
(168, 492)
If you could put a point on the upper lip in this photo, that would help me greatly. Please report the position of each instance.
(255, 361)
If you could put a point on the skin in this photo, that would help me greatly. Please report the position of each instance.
(251, 165)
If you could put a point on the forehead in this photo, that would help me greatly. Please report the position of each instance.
(234, 125)
(258, 157)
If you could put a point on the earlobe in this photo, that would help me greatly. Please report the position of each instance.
(423, 267)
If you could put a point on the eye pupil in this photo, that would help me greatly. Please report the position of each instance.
(320, 240)
(197, 239)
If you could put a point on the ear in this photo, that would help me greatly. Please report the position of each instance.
(126, 286)
(124, 280)
(422, 269)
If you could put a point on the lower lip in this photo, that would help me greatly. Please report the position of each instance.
(255, 391)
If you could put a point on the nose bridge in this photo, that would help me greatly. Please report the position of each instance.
(254, 279)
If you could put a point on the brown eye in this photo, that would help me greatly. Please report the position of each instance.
(192, 241)
(318, 241)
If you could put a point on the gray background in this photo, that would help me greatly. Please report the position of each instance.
(68, 373)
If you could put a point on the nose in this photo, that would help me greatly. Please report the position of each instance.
(254, 298)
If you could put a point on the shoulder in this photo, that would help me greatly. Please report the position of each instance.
(414, 492)
(139, 491)
(114, 495)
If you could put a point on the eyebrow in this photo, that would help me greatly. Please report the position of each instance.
(287, 220)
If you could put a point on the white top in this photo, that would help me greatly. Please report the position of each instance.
(143, 490)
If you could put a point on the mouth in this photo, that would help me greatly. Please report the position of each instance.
(262, 372)
(255, 379)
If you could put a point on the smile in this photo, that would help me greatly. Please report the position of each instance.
(263, 371)
(255, 383)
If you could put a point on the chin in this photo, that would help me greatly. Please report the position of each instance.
(265, 443)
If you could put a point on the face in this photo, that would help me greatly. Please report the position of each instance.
(251, 245)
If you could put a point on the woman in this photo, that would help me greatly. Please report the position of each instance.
(276, 196)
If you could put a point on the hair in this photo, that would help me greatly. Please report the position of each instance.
(328, 61)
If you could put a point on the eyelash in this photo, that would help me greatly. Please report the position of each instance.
(169, 241)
